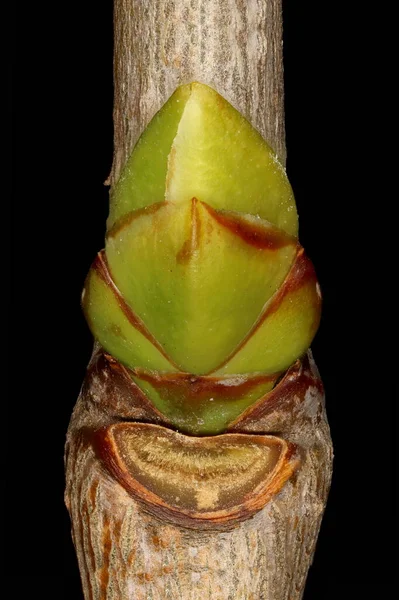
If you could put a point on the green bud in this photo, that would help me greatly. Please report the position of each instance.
(115, 325)
(199, 146)
(203, 282)
(198, 278)
(202, 405)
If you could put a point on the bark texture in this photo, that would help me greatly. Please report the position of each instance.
(126, 551)
(235, 46)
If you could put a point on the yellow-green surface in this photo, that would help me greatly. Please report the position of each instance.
(142, 181)
(285, 335)
(200, 145)
(113, 330)
(202, 239)
(197, 285)
(203, 413)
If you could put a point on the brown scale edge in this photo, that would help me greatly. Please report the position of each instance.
(302, 271)
(104, 446)
(100, 265)
(109, 385)
(255, 234)
(122, 399)
(129, 217)
(195, 387)
(190, 246)
(291, 388)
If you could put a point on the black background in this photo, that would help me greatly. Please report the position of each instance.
(62, 148)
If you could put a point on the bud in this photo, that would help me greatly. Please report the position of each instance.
(203, 290)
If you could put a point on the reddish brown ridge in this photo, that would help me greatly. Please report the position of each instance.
(107, 449)
(100, 265)
(301, 273)
(190, 245)
(295, 383)
(131, 216)
(196, 388)
(109, 385)
(253, 233)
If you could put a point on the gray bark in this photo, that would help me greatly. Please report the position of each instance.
(235, 46)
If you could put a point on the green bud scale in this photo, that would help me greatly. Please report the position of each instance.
(203, 291)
